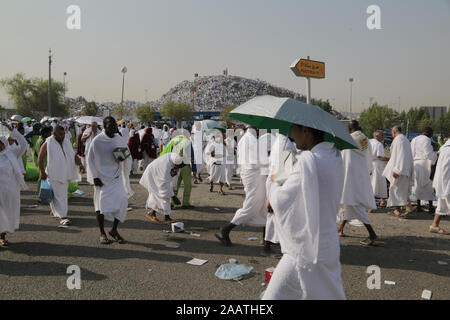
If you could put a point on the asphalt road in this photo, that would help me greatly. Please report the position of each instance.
(35, 265)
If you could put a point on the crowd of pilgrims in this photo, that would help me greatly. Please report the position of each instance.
(300, 189)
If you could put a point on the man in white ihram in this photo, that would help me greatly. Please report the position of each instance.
(357, 194)
(379, 162)
(399, 171)
(110, 177)
(441, 183)
(61, 169)
(252, 212)
(304, 210)
(424, 157)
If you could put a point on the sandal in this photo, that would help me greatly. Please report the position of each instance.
(367, 242)
(117, 237)
(64, 222)
(438, 230)
(104, 239)
(152, 218)
(221, 192)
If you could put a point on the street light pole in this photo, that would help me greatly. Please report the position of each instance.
(351, 97)
(64, 99)
(50, 82)
(124, 70)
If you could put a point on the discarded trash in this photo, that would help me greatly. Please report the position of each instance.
(167, 231)
(197, 262)
(63, 226)
(232, 261)
(268, 273)
(172, 246)
(263, 284)
(232, 271)
(253, 239)
(390, 282)
(129, 209)
(149, 270)
(442, 263)
(177, 227)
(426, 294)
(194, 234)
(30, 206)
(80, 192)
(217, 209)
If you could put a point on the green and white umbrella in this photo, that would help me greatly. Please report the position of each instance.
(26, 119)
(269, 112)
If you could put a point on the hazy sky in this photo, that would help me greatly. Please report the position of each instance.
(163, 42)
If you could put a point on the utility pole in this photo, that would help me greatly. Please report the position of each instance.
(351, 93)
(64, 99)
(50, 82)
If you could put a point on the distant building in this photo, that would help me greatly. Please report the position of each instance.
(435, 112)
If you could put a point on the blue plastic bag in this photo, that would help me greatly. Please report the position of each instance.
(46, 192)
(232, 270)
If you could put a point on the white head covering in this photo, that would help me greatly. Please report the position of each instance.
(175, 159)
(18, 173)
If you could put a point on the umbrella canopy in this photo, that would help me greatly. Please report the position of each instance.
(211, 124)
(121, 122)
(26, 119)
(268, 112)
(16, 117)
(89, 120)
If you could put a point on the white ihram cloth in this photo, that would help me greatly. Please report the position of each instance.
(125, 132)
(11, 182)
(61, 169)
(424, 157)
(157, 180)
(197, 145)
(280, 143)
(206, 157)
(112, 198)
(229, 159)
(264, 147)
(164, 138)
(216, 163)
(305, 217)
(401, 162)
(441, 181)
(357, 193)
(379, 184)
(253, 211)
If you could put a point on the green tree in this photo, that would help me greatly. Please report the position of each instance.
(30, 95)
(146, 113)
(414, 119)
(325, 105)
(378, 118)
(120, 111)
(225, 115)
(442, 125)
(90, 109)
(177, 111)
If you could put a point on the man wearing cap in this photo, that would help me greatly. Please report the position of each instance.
(157, 179)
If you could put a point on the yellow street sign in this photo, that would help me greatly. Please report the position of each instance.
(309, 68)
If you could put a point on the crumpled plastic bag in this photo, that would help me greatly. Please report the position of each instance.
(231, 270)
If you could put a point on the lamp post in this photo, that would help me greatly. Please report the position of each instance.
(124, 70)
(64, 99)
(193, 89)
(50, 82)
(351, 89)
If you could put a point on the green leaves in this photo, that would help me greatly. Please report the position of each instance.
(30, 96)
(90, 109)
(177, 111)
(146, 113)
